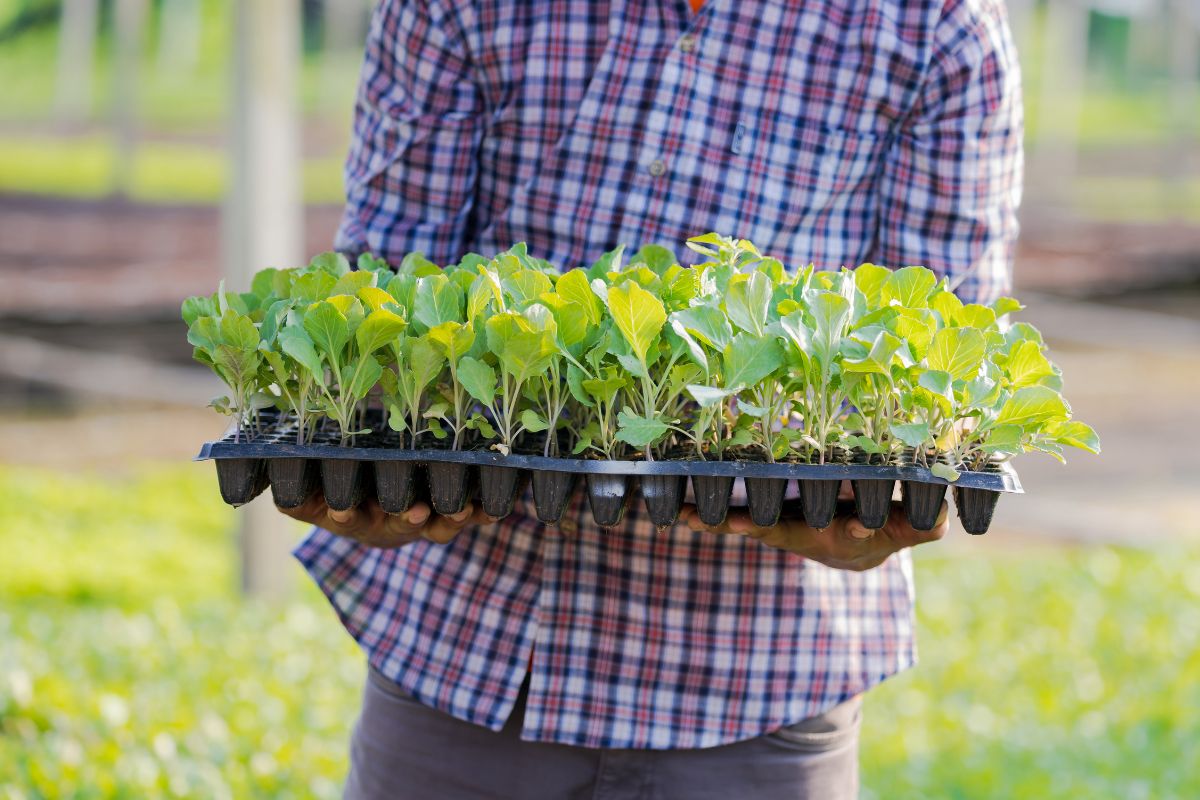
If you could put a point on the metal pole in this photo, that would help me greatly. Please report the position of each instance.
(263, 223)
(76, 57)
(1055, 157)
(129, 20)
(1184, 62)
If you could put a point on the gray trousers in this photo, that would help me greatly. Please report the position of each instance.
(402, 749)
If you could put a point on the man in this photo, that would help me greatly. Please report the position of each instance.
(509, 659)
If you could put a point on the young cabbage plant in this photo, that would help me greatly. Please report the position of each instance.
(1018, 406)
(575, 325)
(419, 363)
(347, 338)
(522, 351)
(599, 385)
(226, 339)
(295, 368)
(815, 335)
(705, 332)
(439, 306)
(651, 362)
(874, 367)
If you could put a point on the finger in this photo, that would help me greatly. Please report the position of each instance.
(689, 517)
(442, 529)
(312, 510)
(845, 491)
(347, 517)
(905, 535)
(407, 524)
(856, 530)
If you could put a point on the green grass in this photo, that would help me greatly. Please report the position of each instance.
(85, 167)
(129, 668)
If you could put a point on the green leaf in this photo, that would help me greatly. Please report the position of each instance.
(296, 344)
(938, 382)
(424, 362)
(1032, 406)
(631, 364)
(521, 350)
(485, 290)
(328, 329)
(706, 323)
(916, 327)
(438, 300)
(330, 263)
(869, 279)
(1003, 439)
(533, 421)
(944, 471)
(974, 315)
(480, 423)
(364, 374)
(195, 307)
(527, 285)
(878, 359)
(958, 351)
(864, 443)
(313, 286)
(417, 265)
(748, 302)
(682, 287)
(478, 379)
(454, 339)
(746, 407)
(353, 282)
(831, 314)
(909, 287)
(1027, 365)
(708, 396)
(1074, 434)
(947, 305)
(658, 258)
(378, 330)
(375, 298)
(639, 431)
(574, 287)
(1006, 305)
(239, 331)
(603, 390)
(639, 316)
(435, 427)
(748, 359)
(913, 434)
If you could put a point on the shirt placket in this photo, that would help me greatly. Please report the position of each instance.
(659, 161)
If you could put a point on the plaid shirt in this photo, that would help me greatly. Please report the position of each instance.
(833, 132)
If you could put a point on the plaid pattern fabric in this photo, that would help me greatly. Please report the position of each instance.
(831, 132)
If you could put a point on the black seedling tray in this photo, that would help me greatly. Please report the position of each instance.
(449, 478)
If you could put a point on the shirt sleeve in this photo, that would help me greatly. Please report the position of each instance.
(952, 180)
(411, 170)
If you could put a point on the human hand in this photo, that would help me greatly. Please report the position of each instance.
(370, 525)
(845, 544)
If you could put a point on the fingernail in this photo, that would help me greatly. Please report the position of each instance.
(340, 516)
(492, 519)
(416, 516)
(860, 531)
(739, 525)
(460, 516)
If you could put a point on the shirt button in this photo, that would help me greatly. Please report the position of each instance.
(657, 167)
(687, 43)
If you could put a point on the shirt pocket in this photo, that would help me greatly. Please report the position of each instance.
(811, 180)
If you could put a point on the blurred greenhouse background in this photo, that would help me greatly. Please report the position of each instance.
(142, 145)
